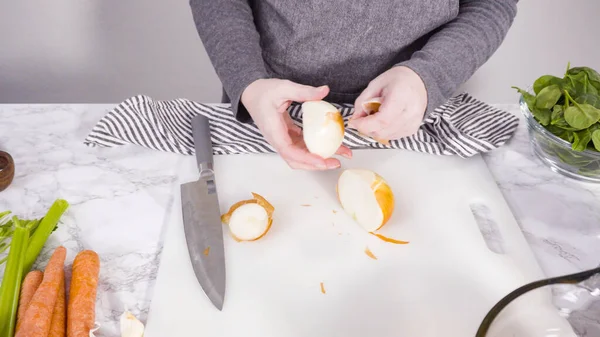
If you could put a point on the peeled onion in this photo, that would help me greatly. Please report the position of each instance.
(370, 107)
(323, 128)
(367, 197)
(249, 220)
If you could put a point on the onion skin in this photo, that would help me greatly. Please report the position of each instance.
(258, 199)
(372, 106)
(385, 198)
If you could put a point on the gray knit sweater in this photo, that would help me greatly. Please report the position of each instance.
(347, 43)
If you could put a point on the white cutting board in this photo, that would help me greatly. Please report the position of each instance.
(440, 284)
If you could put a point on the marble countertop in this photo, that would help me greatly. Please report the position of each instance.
(120, 199)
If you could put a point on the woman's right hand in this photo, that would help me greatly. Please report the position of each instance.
(267, 101)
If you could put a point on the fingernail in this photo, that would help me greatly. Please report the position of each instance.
(346, 155)
(322, 166)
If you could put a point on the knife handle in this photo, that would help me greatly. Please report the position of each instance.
(202, 143)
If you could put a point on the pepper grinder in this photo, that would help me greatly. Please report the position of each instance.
(7, 170)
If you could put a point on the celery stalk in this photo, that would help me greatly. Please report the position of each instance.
(6, 231)
(10, 289)
(3, 214)
(43, 231)
(31, 226)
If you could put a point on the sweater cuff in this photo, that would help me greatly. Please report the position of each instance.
(423, 68)
(235, 90)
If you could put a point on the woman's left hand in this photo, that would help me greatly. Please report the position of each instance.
(403, 103)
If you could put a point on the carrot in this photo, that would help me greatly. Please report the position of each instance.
(30, 285)
(59, 316)
(81, 309)
(38, 316)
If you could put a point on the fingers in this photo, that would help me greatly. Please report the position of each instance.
(370, 125)
(295, 155)
(344, 152)
(372, 91)
(300, 158)
(293, 129)
(302, 93)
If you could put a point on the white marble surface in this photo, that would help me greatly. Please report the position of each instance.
(120, 198)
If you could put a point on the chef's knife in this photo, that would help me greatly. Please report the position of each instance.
(202, 219)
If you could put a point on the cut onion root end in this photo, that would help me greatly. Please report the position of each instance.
(249, 220)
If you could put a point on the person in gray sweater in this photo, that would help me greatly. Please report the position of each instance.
(412, 53)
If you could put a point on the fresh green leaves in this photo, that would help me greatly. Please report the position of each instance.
(582, 138)
(596, 139)
(591, 99)
(548, 97)
(568, 107)
(543, 115)
(527, 97)
(591, 74)
(582, 116)
(545, 81)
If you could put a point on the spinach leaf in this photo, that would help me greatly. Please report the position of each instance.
(558, 113)
(542, 115)
(582, 116)
(557, 119)
(546, 81)
(562, 123)
(594, 127)
(591, 99)
(527, 97)
(593, 75)
(561, 133)
(592, 90)
(548, 97)
(582, 138)
(581, 84)
(596, 139)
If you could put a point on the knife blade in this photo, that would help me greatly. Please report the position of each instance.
(202, 219)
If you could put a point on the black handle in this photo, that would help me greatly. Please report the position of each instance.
(202, 143)
(566, 279)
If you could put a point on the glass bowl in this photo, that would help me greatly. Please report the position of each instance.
(558, 154)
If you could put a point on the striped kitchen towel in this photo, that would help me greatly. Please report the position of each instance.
(463, 126)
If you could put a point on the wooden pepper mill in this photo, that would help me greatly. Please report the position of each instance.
(7, 170)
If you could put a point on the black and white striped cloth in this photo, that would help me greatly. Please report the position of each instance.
(463, 126)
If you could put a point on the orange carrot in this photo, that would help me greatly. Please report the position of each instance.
(31, 282)
(59, 316)
(81, 309)
(38, 316)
